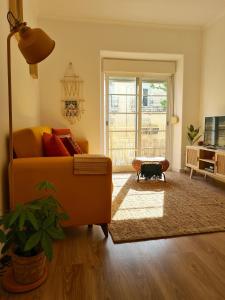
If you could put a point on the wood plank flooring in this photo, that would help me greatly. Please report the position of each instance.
(88, 266)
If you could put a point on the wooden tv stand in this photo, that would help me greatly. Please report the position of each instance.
(210, 162)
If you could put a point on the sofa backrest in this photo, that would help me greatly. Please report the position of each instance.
(28, 142)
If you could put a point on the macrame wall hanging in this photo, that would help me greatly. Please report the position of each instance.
(72, 95)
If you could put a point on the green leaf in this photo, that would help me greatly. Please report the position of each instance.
(22, 237)
(196, 139)
(35, 206)
(63, 216)
(56, 233)
(40, 186)
(196, 131)
(192, 127)
(33, 241)
(48, 221)
(46, 244)
(32, 219)
(2, 236)
(45, 185)
(190, 136)
(6, 220)
(14, 217)
(50, 186)
(22, 220)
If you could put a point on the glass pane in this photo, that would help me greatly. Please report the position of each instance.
(121, 140)
(154, 103)
(153, 144)
(122, 157)
(122, 122)
(154, 88)
(154, 122)
(121, 85)
(122, 104)
(153, 134)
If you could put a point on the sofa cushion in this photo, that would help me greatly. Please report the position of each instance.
(28, 142)
(68, 140)
(62, 132)
(53, 146)
(68, 143)
(77, 148)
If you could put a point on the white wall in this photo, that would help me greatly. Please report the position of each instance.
(213, 71)
(81, 44)
(26, 106)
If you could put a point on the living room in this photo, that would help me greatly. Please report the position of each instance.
(101, 38)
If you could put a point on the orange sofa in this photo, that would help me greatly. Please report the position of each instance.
(86, 198)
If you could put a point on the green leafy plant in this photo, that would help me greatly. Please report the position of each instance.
(32, 227)
(163, 103)
(193, 134)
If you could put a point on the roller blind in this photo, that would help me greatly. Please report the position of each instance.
(139, 66)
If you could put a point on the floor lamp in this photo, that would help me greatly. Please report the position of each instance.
(35, 45)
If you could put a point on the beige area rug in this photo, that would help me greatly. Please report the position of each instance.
(154, 209)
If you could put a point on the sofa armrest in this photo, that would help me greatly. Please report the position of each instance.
(87, 198)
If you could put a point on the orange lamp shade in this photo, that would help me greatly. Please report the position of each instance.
(34, 44)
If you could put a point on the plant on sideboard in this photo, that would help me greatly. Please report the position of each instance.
(193, 134)
(29, 232)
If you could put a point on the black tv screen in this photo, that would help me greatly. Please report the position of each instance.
(215, 131)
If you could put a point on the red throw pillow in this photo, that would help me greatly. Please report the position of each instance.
(77, 147)
(69, 142)
(61, 132)
(53, 146)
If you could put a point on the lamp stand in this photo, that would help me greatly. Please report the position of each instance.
(10, 115)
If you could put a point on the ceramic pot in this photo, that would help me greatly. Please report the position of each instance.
(27, 270)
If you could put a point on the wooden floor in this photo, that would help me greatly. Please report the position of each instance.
(87, 266)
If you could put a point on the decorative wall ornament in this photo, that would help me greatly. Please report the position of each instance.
(72, 91)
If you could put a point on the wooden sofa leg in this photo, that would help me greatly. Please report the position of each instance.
(105, 229)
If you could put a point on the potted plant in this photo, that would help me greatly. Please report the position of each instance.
(28, 234)
(193, 134)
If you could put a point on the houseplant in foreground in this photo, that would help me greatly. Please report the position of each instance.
(28, 235)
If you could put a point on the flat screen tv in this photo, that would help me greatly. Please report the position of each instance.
(215, 131)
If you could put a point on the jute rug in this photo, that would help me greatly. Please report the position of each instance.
(154, 209)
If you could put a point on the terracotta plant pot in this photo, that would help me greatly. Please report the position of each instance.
(27, 270)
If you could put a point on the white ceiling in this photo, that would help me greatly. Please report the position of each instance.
(168, 12)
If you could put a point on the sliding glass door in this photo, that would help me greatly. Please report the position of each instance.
(136, 118)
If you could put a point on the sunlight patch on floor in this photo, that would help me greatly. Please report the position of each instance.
(136, 204)
(119, 180)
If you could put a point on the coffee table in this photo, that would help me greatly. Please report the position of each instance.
(136, 163)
